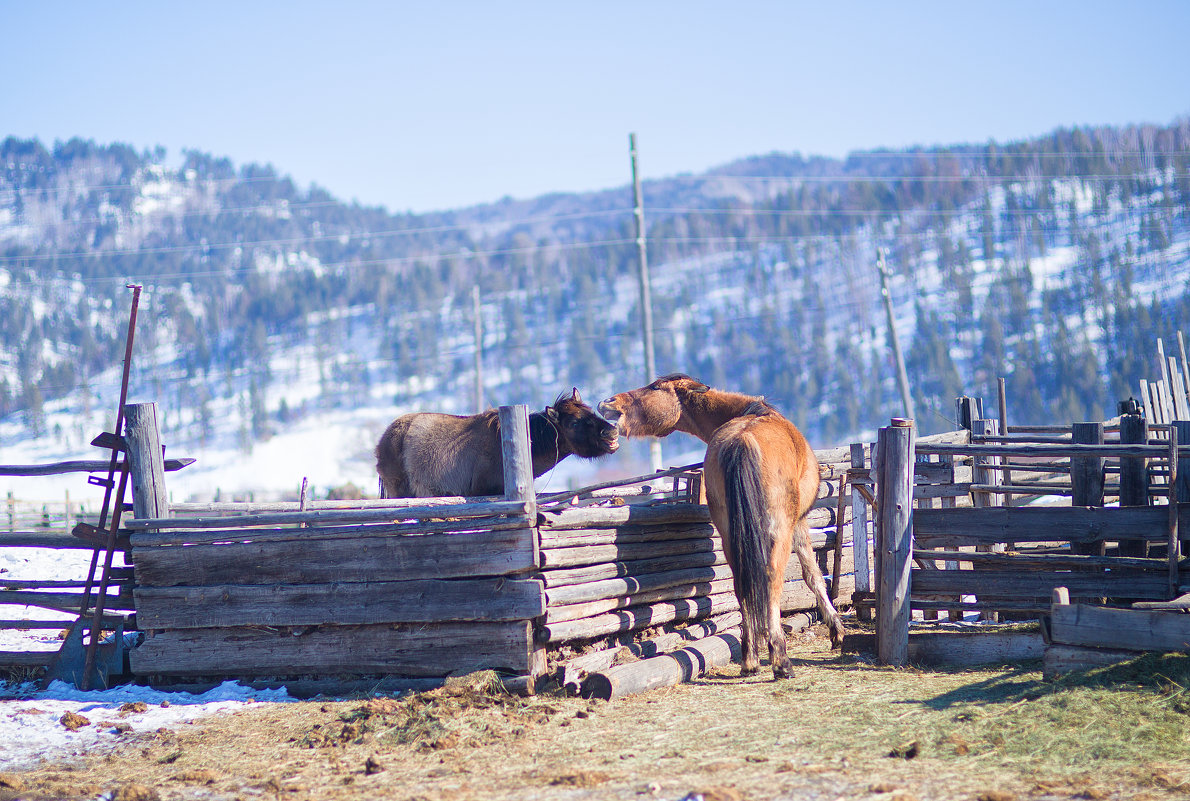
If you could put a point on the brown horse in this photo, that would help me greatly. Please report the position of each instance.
(428, 454)
(761, 479)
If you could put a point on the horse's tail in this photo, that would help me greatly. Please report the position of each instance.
(751, 539)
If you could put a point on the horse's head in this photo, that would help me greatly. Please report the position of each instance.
(587, 434)
(654, 410)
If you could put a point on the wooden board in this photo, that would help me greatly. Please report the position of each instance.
(1035, 583)
(635, 514)
(562, 538)
(1042, 524)
(596, 554)
(424, 601)
(469, 555)
(1085, 625)
(409, 650)
(960, 648)
(1062, 659)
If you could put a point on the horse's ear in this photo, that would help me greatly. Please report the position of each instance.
(574, 395)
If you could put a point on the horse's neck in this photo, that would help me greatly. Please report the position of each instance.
(546, 445)
(704, 412)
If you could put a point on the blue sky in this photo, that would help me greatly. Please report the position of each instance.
(421, 106)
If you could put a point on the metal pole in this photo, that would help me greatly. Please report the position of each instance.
(646, 303)
(478, 350)
(902, 376)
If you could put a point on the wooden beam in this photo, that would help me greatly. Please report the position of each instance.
(330, 516)
(663, 671)
(415, 650)
(466, 555)
(1085, 625)
(894, 515)
(1042, 524)
(419, 601)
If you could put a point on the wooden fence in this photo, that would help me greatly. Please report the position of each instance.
(998, 557)
(423, 588)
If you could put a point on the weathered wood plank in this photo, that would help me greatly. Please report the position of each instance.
(1062, 659)
(330, 516)
(419, 601)
(639, 617)
(611, 570)
(1085, 625)
(145, 539)
(67, 601)
(634, 514)
(960, 648)
(1043, 524)
(1042, 451)
(564, 538)
(57, 540)
(1036, 584)
(633, 584)
(405, 650)
(468, 555)
(79, 466)
(596, 554)
(1031, 561)
(563, 612)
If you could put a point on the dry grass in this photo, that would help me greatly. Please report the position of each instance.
(841, 728)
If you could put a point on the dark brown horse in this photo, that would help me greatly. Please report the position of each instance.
(428, 454)
(761, 479)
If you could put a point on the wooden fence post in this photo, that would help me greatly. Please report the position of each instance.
(1086, 478)
(1180, 489)
(1134, 476)
(859, 534)
(146, 462)
(894, 516)
(518, 486)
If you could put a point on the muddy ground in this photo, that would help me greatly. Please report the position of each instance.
(842, 728)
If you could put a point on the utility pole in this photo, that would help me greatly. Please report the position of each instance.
(902, 376)
(646, 303)
(478, 350)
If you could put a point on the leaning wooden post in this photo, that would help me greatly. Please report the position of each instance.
(894, 516)
(859, 535)
(1134, 476)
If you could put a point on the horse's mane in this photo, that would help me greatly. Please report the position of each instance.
(759, 407)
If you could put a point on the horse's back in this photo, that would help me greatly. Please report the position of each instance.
(429, 454)
(783, 457)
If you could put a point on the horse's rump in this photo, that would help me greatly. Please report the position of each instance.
(749, 533)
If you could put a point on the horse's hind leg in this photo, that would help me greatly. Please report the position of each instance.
(750, 630)
(778, 655)
(817, 584)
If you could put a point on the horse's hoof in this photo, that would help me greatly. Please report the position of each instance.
(784, 671)
(749, 671)
(837, 634)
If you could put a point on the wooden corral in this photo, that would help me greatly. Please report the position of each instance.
(425, 588)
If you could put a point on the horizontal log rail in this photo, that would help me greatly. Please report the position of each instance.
(356, 515)
(566, 495)
(1044, 451)
(78, 466)
(107, 623)
(147, 539)
(998, 524)
(1041, 560)
(261, 507)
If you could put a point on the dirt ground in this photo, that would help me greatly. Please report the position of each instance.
(841, 728)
